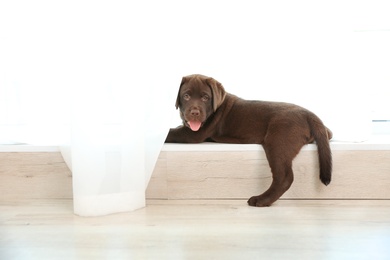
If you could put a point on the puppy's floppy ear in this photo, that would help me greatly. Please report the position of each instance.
(219, 92)
(183, 80)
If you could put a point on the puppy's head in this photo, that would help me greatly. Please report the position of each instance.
(198, 98)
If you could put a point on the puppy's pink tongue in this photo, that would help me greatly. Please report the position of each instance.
(194, 125)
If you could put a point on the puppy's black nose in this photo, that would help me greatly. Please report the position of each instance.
(195, 112)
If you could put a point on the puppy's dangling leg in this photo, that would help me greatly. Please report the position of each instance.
(280, 159)
(282, 178)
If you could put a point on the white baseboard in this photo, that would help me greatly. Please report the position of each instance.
(211, 171)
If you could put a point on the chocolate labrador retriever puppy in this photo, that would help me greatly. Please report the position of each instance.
(211, 114)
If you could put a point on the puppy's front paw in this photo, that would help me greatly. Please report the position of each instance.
(258, 201)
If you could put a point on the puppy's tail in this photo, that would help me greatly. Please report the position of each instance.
(322, 135)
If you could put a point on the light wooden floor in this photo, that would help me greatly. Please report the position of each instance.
(210, 229)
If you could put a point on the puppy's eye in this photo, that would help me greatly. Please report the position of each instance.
(205, 98)
(186, 97)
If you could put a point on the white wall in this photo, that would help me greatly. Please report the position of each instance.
(330, 56)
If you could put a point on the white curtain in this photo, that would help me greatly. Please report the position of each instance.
(98, 79)
(117, 134)
(108, 73)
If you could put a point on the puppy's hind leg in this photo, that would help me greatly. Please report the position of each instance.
(280, 156)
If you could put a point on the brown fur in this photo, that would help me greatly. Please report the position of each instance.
(281, 128)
